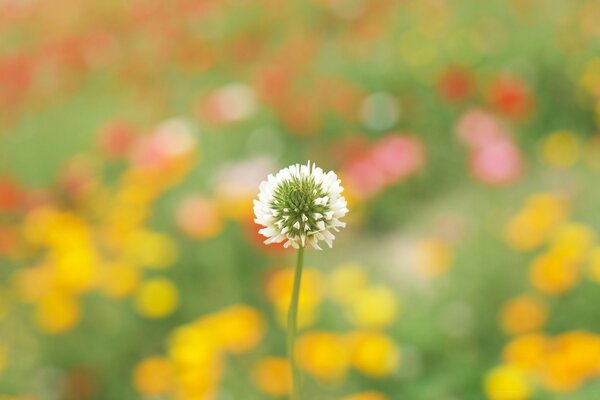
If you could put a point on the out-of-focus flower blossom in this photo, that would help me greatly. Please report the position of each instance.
(539, 218)
(397, 157)
(57, 312)
(561, 149)
(300, 206)
(199, 217)
(11, 196)
(526, 352)
(494, 157)
(511, 96)
(500, 163)
(392, 159)
(169, 147)
(553, 273)
(272, 376)
(478, 128)
(571, 358)
(230, 103)
(455, 84)
(523, 314)
(153, 376)
(573, 241)
(373, 354)
(373, 307)
(119, 279)
(116, 139)
(507, 383)
(324, 355)
(150, 249)
(195, 361)
(238, 328)
(156, 298)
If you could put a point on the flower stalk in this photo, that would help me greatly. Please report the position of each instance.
(300, 206)
(293, 326)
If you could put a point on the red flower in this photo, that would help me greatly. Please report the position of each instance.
(511, 96)
(455, 84)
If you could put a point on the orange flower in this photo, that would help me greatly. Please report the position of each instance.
(153, 376)
(523, 314)
(272, 376)
(323, 355)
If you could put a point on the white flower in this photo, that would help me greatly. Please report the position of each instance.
(301, 205)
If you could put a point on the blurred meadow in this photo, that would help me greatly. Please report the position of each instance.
(133, 138)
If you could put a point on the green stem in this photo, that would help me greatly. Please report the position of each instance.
(292, 326)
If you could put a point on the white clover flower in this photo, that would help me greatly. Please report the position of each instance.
(301, 205)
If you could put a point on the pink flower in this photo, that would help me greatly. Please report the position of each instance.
(477, 128)
(398, 156)
(498, 163)
(392, 159)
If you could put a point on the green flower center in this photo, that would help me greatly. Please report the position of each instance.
(295, 203)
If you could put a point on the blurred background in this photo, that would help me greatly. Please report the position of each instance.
(133, 138)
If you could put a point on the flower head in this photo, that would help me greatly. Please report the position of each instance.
(300, 205)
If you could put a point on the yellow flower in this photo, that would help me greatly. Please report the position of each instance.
(373, 354)
(345, 281)
(119, 280)
(149, 249)
(57, 312)
(153, 376)
(553, 274)
(541, 215)
(373, 307)
(156, 298)
(323, 355)
(507, 383)
(272, 376)
(561, 149)
(523, 314)
(573, 241)
(238, 328)
(197, 357)
(194, 346)
(76, 269)
(198, 383)
(526, 352)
